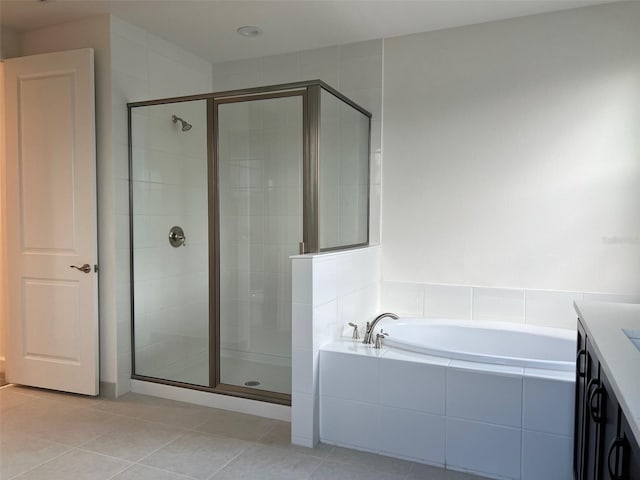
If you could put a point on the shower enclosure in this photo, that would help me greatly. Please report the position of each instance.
(224, 188)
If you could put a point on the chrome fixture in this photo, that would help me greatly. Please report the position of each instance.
(176, 237)
(356, 335)
(368, 337)
(186, 126)
(249, 31)
(379, 337)
(86, 268)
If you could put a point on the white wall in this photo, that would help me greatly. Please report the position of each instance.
(512, 156)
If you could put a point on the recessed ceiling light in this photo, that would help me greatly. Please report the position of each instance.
(249, 31)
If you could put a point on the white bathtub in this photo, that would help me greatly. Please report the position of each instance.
(487, 342)
(495, 399)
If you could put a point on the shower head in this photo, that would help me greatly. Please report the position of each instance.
(186, 126)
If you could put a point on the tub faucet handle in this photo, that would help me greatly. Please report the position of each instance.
(379, 337)
(356, 335)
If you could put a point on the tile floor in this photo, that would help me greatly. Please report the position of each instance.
(54, 436)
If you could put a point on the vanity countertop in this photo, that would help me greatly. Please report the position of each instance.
(605, 325)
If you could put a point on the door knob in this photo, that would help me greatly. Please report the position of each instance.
(86, 268)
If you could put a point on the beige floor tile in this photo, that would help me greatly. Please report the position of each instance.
(280, 435)
(348, 471)
(19, 453)
(237, 425)
(177, 414)
(378, 462)
(62, 424)
(12, 397)
(426, 472)
(76, 465)
(142, 472)
(69, 399)
(132, 439)
(168, 412)
(39, 429)
(269, 463)
(197, 455)
(24, 417)
(130, 404)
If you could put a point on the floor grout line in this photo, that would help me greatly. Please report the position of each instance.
(225, 465)
(151, 467)
(43, 463)
(158, 449)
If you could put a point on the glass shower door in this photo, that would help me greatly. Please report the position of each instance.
(259, 160)
(170, 242)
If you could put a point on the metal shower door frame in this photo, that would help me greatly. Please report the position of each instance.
(214, 236)
(310, 91)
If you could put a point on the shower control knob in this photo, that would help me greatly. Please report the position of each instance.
(176, 236)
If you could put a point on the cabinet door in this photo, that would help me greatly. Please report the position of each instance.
(581, 385)
(604, 407)
(630, 461)
(592, 445)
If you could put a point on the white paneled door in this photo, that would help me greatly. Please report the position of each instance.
(52, 331)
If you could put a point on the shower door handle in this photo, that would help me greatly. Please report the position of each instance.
(86, 268)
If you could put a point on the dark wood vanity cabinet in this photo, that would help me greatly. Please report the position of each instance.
(578, 432)
(604, 445)
(630, 462)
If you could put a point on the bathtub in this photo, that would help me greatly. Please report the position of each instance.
(494, 399)
(487, 342)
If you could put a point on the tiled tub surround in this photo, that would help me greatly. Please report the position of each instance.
(548, 308)
(329, 290)
(498, 421)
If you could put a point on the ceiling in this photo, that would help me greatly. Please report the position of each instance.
(208, 27)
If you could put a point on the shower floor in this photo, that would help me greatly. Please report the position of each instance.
(274, 378)
(234, 371)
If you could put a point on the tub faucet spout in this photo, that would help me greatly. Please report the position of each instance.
(368, 337)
